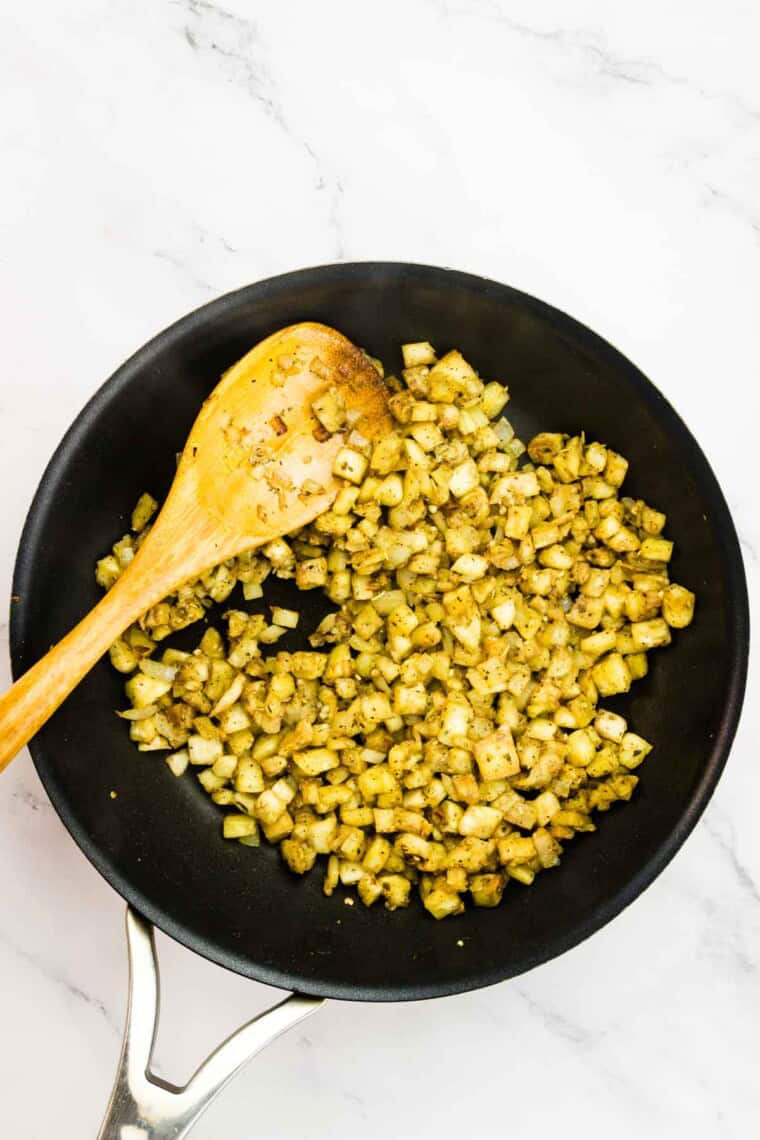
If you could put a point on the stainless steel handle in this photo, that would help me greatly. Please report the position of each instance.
(144, 1107)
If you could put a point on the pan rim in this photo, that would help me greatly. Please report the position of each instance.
(735, 584)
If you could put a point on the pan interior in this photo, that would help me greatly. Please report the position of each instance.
(159, 843)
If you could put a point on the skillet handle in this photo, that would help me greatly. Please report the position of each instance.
(144, 1107)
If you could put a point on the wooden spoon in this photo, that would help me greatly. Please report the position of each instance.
(257, 465)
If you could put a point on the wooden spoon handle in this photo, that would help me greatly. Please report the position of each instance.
(156, 570)
(35, 696)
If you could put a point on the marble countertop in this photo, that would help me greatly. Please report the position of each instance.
(604, 157)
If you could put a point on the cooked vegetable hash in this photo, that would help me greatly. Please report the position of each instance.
(445, 731)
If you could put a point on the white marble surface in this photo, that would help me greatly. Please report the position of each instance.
(605, 157)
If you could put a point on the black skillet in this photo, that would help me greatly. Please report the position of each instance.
(158, 843)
